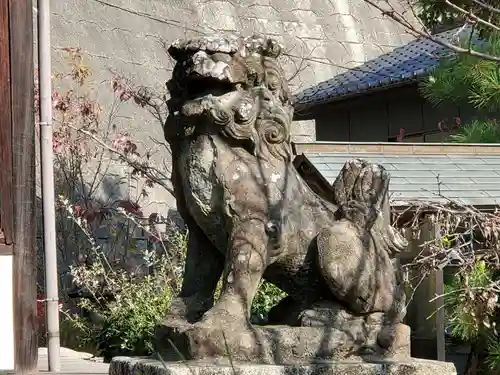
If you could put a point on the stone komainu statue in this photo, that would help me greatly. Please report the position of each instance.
(251, 216)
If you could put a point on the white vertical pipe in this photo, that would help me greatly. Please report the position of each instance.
(48, 194)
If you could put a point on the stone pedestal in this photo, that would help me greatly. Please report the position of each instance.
(144, 366)
(282, 350)
(283, 345)
(285, 351)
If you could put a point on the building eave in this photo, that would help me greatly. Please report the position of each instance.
(404, 65)
(467, 174)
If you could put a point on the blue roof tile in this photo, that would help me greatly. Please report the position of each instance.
(405, 63)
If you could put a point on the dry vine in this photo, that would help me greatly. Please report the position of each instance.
(465, 232)
(466, 237)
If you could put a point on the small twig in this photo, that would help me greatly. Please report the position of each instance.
(152, 173)
(399, 18)
(486, 6)
(471, 15)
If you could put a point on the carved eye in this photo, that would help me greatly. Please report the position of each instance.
(245, 110)
(271, 228)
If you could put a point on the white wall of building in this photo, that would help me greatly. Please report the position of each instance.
(6, 314)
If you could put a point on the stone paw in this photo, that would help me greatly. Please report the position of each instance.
(217, 333)
(312, 318)
(187, 308)
(216, 319)
(324, 313)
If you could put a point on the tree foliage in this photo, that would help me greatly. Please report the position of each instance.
(442, 14)
(486, 131)
(472, 308)
(464, 79)
(470, 81)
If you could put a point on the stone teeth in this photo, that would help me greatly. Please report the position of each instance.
(218, 70)
(225, 48)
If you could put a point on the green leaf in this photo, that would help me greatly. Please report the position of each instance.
(478, 132)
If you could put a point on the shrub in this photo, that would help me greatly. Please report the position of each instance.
(472, 307)
(268, 295)
(119, 307)
(128, 310)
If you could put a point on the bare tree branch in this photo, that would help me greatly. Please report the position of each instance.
(152, 173)
(400, 19)
(486, 6)
(471, 15)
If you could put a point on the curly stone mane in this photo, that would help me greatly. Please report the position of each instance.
(239, 85)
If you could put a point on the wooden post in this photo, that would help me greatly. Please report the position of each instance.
(440, 316)
(23, 135)
(7, 347)
(17, 174)
(426, 323)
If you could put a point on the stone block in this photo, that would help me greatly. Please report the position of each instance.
(285, 345)
(303, 131)
(145, 366)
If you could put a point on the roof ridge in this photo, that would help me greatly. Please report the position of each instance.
(401, 148)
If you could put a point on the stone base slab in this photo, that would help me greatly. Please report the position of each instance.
(283, 345)
(145, 366)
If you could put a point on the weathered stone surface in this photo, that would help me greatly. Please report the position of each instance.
(138, 366)
(126, 37)
(282, 344)
(251, 216)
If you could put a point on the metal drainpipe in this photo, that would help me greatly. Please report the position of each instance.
(48, 199)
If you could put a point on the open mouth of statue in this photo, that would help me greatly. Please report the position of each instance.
(198, 86)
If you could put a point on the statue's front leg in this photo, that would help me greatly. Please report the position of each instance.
(203, 269)
(246, 261)
(225, 329)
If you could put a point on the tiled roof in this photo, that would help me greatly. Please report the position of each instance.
(406, 63)
(471, 180)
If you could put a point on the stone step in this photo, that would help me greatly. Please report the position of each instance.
(144, 366)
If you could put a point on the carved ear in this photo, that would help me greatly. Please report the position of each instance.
(176, 49)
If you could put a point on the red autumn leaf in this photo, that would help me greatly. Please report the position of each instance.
(130, 207)
(78, 211)
(125, 96)
(130, 148)
(401, 135)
